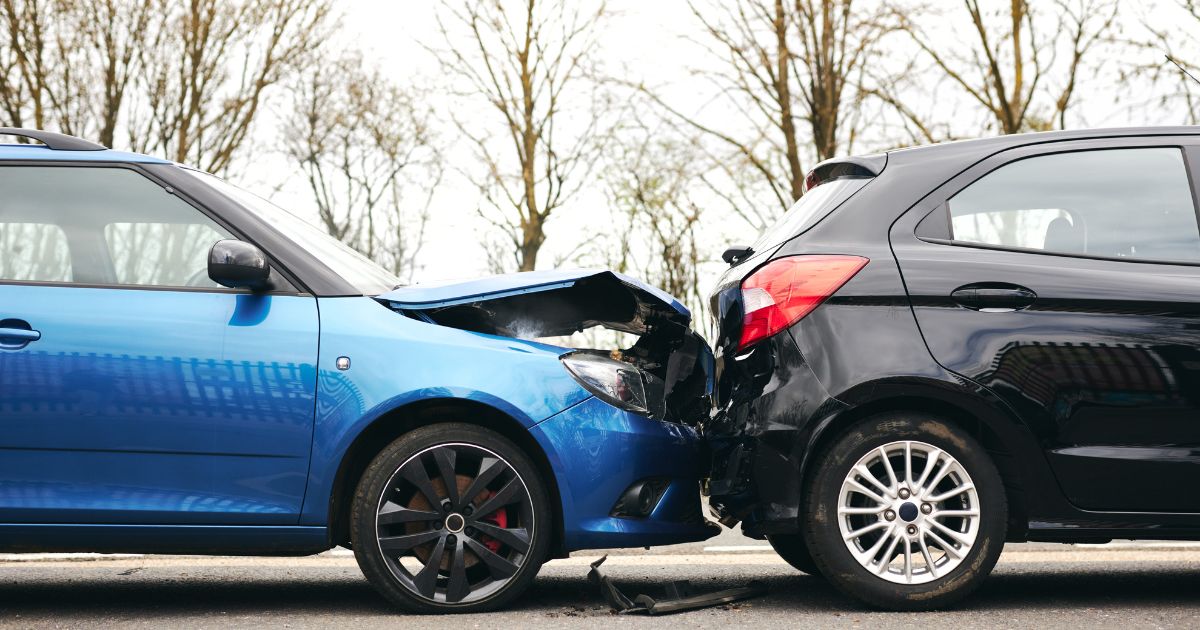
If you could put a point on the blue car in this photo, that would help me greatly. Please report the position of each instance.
(185, 368)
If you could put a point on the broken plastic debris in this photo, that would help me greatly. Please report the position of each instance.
(679, 596)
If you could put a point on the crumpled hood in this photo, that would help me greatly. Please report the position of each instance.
(543, 303)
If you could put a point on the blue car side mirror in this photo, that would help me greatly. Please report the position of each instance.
(238, 265)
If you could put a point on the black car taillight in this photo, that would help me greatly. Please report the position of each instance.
(784, 290)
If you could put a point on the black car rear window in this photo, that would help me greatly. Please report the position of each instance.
(815, 205)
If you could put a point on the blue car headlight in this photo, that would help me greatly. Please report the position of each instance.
(616, 383)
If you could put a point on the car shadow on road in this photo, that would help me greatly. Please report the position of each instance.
(89, 593)
(95, 592)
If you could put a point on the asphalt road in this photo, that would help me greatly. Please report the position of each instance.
(1113, 586)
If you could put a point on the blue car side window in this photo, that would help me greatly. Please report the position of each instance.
(109, 226)
(34, 252)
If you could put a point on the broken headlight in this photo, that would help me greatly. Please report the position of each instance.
(616, 383)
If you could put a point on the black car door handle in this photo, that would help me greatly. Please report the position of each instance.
(993, 297)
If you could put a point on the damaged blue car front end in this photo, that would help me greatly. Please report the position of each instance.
(626, 456)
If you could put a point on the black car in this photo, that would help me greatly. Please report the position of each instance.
(940, 349)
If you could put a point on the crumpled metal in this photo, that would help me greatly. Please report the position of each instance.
(679, 597)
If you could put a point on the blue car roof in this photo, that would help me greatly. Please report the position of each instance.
(439, 295)
(41, 153)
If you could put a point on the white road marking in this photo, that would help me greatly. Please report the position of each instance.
(737, 548)
(1133, 544)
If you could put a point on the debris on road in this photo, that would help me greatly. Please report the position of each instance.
(679, 596)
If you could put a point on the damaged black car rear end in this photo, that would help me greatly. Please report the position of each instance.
(836, 436)
(767, 392)
(945, 348)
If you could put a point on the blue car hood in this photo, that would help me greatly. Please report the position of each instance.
(542, 303)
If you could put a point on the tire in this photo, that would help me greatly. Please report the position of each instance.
(447, 552)
(933, 519)
(794, 551)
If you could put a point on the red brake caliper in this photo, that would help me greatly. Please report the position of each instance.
(499, 518)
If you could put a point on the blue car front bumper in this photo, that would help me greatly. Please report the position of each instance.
(598, 451)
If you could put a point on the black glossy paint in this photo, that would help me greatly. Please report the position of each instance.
(1087, 396)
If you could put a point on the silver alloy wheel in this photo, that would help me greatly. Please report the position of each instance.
(439, 525)
(908, 512)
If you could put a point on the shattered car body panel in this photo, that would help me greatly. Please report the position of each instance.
(680, 595)
(543, 303)
(676, 363)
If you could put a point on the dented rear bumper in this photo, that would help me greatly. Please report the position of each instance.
(770, 408)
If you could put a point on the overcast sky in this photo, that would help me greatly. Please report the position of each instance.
(646, 37)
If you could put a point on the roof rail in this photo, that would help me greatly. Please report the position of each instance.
(53, 141)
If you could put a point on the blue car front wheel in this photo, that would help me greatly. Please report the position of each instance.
(451, 518)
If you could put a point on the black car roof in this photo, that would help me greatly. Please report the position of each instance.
(1000, 143)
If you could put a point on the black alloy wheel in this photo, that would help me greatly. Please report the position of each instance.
(450, 518)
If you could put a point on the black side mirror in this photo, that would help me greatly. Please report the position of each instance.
(736, 254)
(238, 265)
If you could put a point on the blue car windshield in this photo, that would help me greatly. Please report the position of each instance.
(365, 275)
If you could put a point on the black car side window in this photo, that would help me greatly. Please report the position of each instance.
(100, 225)
(1111, 203)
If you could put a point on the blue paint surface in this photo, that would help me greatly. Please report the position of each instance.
(597, 451)
(186, 408)
(140, 406)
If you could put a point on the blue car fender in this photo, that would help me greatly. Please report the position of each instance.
(395, 362)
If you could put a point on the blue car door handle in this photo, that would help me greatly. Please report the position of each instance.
(16, 332)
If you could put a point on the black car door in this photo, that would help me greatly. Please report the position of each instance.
(1065, 277)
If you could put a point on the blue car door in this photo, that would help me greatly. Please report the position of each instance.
(133, 389)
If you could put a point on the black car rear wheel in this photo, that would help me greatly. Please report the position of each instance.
(450, 518)
(794, 551)
(905, 512)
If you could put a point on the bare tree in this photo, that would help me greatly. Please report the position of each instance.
(101, 47)
(650, 180)
(789, 91)
(27, 59)
(1023, 75)
(366, 149)
(1175, 62)
(183, 79)
(527, 62)
(69, 63)
(209, 73)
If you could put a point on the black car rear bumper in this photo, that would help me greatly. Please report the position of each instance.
(770, 405)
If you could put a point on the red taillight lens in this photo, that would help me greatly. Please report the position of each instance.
(786, 289)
